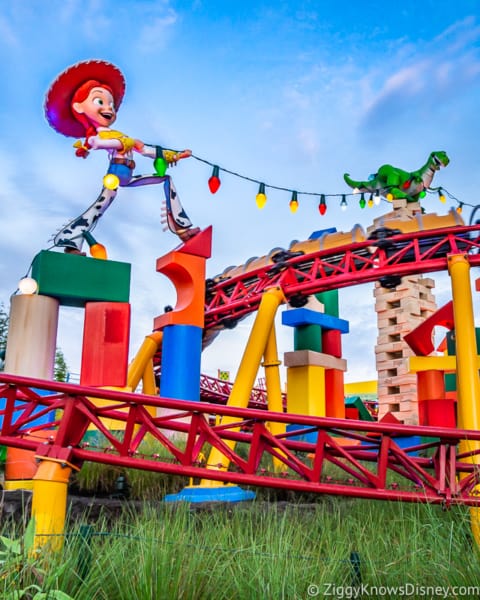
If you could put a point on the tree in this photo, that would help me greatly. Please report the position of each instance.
(61, 368)
(3, 334)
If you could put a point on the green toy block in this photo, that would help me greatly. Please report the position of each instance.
(330, 301)
(308, 337)
(75, 279)
(450, 382)
(451, 341)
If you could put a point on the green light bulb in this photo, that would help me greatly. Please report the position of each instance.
(160, 165)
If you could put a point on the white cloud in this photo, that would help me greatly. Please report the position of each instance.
(444, 70)
(156, 35)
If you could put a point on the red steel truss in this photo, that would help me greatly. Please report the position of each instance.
(217, 390)
(406, 254)
(350, 458)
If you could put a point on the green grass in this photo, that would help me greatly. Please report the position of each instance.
(273, 548)
(260, 551)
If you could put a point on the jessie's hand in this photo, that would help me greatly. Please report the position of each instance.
(184, 154)
(172, 157)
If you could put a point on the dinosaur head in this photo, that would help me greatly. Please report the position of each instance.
(439, 159)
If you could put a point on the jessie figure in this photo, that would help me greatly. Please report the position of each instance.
(83, 102)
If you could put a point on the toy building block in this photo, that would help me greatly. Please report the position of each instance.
(356, 409)
(299, 317)
(75, 280)
(106, 336)
(185, 267)
(420, 339)
(306, 390)
(301, 358)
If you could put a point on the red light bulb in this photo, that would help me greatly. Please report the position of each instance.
(322, 207)
(214, 181)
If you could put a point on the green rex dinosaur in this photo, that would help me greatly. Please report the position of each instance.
(399, 183)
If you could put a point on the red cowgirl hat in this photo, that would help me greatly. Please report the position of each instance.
(59, 97)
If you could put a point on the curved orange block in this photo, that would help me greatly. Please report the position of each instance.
(185, 267)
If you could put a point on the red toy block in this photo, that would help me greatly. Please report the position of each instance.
(332, 342)
(420, 339)
(389, 417)
(106, 336)
(199, 245)
(433, 407)
(352, 413)
(437, 413)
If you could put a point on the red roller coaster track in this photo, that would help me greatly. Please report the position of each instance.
(232, 299)
(216, 390)
(350, 458)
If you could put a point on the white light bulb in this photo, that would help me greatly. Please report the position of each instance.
(376, 199)
(27, 285)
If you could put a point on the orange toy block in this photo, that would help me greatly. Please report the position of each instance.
(334, 394)
(185, 267)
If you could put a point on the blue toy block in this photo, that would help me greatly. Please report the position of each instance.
(181, 359)
(316, 234)
(308, 436)
(45, 419)
(222, 493)
(298, 317)
(405, 442)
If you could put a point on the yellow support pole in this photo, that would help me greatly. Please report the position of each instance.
(274, 389)
(147, 351)
(49, 503)
(149, 385)
(248, 369)
(468, 383)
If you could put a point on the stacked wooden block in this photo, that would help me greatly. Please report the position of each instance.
(399, 311)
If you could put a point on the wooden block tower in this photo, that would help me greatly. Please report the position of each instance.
(399, 311)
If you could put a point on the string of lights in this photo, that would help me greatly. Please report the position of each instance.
(365, 199)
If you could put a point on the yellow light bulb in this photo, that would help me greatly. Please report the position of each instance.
(389, 197)
(370, 203)
(442, 198)
(261, 200)
(293, 206)
(111, 181)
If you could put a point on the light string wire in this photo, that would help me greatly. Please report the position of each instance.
(429, 190)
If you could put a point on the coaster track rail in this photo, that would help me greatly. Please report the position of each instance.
(367, 459)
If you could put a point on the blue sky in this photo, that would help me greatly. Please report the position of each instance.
(290, 93)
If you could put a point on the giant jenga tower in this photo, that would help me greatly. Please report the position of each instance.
(399, 310)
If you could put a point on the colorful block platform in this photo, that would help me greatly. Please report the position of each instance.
(75, 280)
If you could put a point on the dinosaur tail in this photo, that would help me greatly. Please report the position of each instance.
(363, 186)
